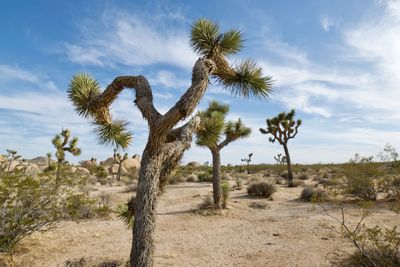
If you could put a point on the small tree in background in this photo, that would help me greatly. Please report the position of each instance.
(49, 155)
(119, 159)
(280, 159)
(282, 128)
(248, 160)
(11, 155)
(212, 126)
(60, 142)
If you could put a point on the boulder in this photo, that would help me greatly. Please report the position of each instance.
(131, 163)
(108, 162)
(193, 164)
(87, 164)
(39, 161)
(82, 170)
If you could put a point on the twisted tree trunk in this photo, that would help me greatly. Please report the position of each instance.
(289, 166)
(216, 156)
(59, 165)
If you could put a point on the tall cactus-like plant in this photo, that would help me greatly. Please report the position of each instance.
(248, 160)
(212, 127)
(49, 155)
(11, 155)
(283, 128)
(166, 142)
(119, 159)
(63, 144)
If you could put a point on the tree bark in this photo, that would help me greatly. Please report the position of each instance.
(144, 221)
(289, 166)
(216, 177)
(119, 171)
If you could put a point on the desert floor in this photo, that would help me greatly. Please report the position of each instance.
(288, 232)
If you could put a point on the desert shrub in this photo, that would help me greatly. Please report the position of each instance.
(296, 183)
(207, 203)
(359, 180)
(284, 174)
(238, 185)
(92, 180)
(204, 177)
(79, 206)
(226, 177)
(101, 173)
(390, 185)
(191, 178)
(261, 189)
(258, 205)
(26, 205)
(126, 211)
(303, 176)
(104, 204)
(312, 194)
(225, 193)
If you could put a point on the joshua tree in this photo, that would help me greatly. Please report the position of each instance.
(119, 159)
(283, 127)
(248, 160)
(280, 159)
(11, 155)
(166, 143)
(60, 142)
(212, 126)
(49, 155)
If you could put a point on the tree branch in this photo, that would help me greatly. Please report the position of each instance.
(144, 97)
(189, 100)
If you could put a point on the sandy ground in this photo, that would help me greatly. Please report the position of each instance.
(287, 233)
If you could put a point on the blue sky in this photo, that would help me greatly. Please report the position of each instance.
(336, 62)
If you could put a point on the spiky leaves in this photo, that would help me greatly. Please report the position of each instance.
(60, 142)
(84, 91)
(213, 125)
(282, 127)
(246, 78)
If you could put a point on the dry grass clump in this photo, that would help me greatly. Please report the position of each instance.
(207, 207)
(258, 205)
(303, 176)
(313, 194)
(261, 189)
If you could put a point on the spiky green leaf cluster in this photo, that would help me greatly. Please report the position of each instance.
(246, 78)
(126, 212)
(207, 40)
(60, 142)
(114, 133)
(83, 92)
(213, 125)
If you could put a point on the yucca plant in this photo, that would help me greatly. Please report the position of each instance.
(49, 155)
(119, 159)
(63, 144)
(212, 128)
(11, 155)
(248, 160)
(166, 142)
(283, 128)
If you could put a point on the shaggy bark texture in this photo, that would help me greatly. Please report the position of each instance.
(289, 166)
(216, 177)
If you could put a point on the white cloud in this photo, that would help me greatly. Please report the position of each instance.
(327, 23)
(122, 38)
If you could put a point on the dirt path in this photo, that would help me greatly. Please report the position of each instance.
(287, 233)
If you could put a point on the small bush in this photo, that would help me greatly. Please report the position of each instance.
(359, 180)
(296, 183)
(26, 205)
(303, 176)
(225, 193)
(104, 204)
(79, 206)
(261, 189)
(258, 205)
(313, 194)
(390, 185)
(284, 174)
(204, 177)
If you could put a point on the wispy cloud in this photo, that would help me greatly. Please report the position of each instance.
(327, 23)
(122, 38)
